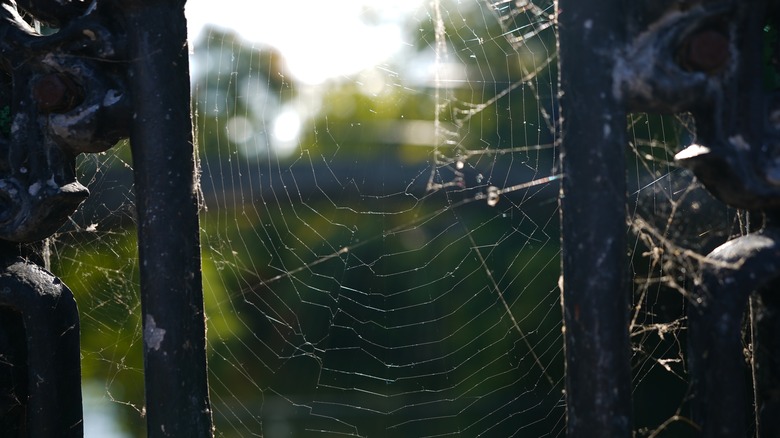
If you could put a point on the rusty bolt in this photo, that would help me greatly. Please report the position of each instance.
(56, 93)
(705, 51)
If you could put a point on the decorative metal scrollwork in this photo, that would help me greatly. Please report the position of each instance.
(712, 59)
(708, 58)
(61, 94)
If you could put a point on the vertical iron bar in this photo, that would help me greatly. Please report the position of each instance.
(766, 361)
(715, 349)
(593, 216)
(168, 230)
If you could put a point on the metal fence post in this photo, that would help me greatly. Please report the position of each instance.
(114, 68)
(168, 230)
(59, 96)
(593, 211)
(718, 61)
(40, 371)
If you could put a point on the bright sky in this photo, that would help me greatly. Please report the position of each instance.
(319, 39)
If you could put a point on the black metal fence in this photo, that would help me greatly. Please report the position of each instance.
(705, 58)
(83, 70)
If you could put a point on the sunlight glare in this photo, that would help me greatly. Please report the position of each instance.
(286, 129)
(319, 40)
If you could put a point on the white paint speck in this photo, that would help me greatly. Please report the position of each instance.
(691, 151)
(588, 24)
(34, 188)
(739, 142)
(607, 130)
(153, 335)
(111, 97)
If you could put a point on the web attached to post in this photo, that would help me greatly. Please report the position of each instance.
(381, 249)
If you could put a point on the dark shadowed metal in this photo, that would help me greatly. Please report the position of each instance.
(168, 231)
(715, 339)
(593, 212)
(706, 58)
(60, 95)
(113, 68)
(40, 372)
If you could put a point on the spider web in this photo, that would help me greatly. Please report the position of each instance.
(381, 250)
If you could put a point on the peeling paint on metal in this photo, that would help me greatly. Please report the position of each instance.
(112, 97)
(34, 188)
(588, 24)
(153, 335)
(739, 143)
